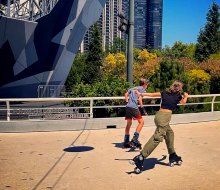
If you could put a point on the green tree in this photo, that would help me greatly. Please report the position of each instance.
(167, 72)
(212, 67)
(77, 72)
(196, 81)
(179, 50)
(118, 46)
(108, 86)
(209, 37)
(94, 57)
(86, 66)
(199, 81)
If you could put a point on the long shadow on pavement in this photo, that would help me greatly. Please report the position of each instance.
(150, 163)
(118, 145)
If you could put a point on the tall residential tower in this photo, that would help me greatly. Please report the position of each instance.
(154, 23)
(108, 23)
(147, 22)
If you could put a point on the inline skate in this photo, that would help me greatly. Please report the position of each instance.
(136, 144)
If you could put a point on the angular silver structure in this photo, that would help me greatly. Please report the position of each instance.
(42, 52)
(26, 9)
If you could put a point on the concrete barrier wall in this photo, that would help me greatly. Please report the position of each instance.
(98, 123)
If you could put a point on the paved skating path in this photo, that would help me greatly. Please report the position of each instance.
(94, 160)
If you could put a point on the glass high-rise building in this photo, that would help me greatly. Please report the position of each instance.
(154, 23)
(147, 23)
(108, 23)
(140, 21)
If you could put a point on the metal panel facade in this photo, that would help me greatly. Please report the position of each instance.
(42, 52)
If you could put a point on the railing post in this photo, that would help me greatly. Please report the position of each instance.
(91, 108)
(8, 110)
(213, 101)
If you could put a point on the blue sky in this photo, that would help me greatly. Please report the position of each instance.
(183, 19)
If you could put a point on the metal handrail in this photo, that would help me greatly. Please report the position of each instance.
(92, 99)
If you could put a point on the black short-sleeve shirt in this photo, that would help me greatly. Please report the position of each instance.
(170, 100)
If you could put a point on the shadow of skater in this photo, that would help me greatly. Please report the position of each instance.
(78, 149)
(149, 163)
(121, 145)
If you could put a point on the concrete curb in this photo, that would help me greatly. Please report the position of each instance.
(97, 123)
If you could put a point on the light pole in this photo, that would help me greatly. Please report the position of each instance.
(130, 55)
(127, 26)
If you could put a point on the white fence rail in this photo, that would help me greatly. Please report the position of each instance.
(9, 110)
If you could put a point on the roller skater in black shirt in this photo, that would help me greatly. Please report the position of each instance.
(170, 98)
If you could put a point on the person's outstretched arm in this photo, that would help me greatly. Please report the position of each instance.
(153, 94)
(184, 99)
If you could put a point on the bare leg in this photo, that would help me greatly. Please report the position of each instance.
(140, 125)
(128, 126)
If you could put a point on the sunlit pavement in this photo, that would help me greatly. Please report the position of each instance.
(95, 160)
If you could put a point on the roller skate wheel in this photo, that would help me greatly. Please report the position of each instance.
(171, 164)
(180, 163)
(137, 170)
(131, 162)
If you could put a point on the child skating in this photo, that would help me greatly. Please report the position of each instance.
(133, 112)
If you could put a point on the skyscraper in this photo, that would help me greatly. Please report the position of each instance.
(154, 25)
(108, 23)
(147, 23)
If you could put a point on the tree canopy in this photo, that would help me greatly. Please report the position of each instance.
(208, 41)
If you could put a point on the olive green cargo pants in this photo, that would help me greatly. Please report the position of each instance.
(163, 131)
